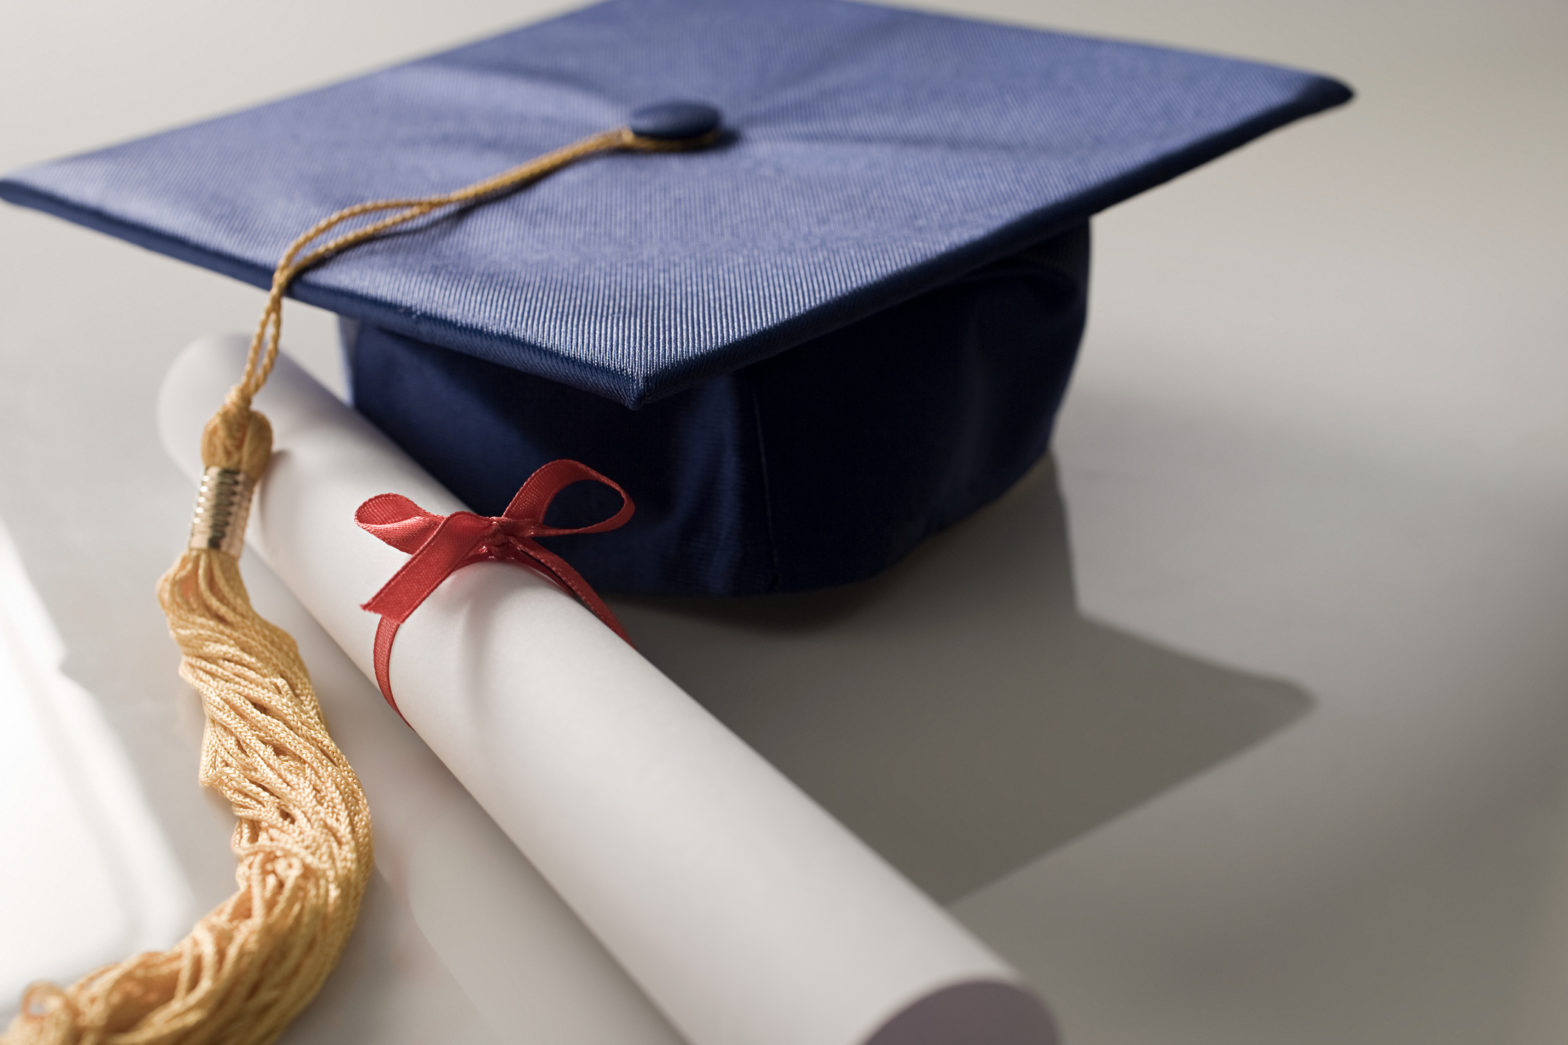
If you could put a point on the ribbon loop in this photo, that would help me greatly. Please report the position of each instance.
(397, 521)
(539, 491)
(440, 545)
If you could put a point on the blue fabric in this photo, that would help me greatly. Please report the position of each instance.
(853, 276)
(777, 477)
(877, 153)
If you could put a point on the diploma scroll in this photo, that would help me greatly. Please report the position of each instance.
(746, 913)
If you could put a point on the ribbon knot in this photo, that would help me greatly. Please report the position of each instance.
(439, 545)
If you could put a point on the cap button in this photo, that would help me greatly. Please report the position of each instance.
(675, 120)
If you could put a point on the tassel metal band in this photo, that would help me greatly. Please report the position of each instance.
(222, 506)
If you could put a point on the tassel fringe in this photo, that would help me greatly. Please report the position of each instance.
(303, 839)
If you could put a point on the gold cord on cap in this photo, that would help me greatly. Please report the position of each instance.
(264, 344)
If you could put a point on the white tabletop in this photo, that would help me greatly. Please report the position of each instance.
(1245, 722)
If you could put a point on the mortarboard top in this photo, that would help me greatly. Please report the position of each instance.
(845, 326)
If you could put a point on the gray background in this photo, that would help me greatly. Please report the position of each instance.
(1244, 722)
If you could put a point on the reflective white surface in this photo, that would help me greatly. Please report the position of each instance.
(98, 879)
(1264, 743)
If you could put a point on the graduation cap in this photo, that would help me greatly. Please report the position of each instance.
(845, 324)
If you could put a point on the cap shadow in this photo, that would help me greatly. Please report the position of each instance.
(958, 712)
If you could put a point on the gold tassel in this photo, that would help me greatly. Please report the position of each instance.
(303, 838)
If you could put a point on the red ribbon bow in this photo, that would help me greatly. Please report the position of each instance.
(439, 545)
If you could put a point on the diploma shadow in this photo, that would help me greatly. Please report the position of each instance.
(958, 712)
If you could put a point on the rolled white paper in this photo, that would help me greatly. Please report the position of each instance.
(747, 914)
(505, 938)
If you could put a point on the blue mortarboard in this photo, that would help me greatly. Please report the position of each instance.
(845, 326)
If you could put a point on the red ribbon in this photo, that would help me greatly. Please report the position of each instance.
(439, 545)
